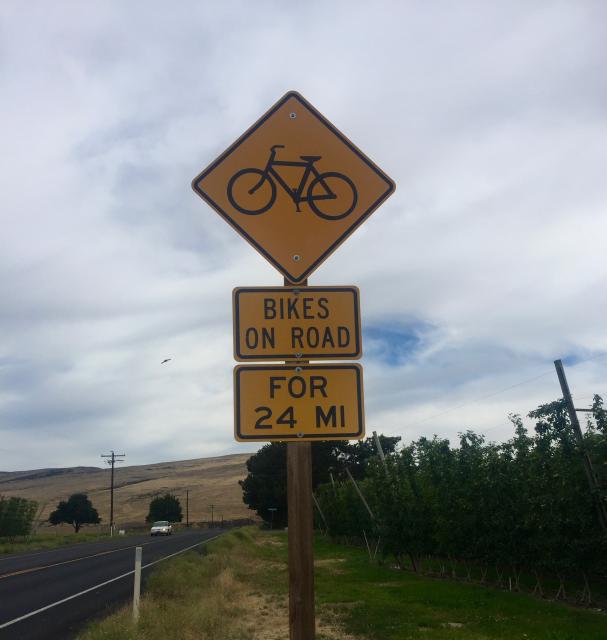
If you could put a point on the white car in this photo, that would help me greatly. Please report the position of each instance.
(161, 528)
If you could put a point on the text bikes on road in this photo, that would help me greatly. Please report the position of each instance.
(290, 323)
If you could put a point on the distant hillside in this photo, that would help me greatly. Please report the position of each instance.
(14, 476)
(209, 480)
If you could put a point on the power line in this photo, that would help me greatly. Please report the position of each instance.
(489, 395)
(495, 393)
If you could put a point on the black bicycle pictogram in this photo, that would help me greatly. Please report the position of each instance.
(329, 188)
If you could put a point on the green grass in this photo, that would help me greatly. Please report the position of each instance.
(379, 602)
(239, 591)
(52, 540)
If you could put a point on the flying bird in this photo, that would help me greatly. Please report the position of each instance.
(166, 360)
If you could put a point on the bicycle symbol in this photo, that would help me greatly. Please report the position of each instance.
(330, 195)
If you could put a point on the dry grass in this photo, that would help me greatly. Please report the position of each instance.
(210, 481)
(236, 592)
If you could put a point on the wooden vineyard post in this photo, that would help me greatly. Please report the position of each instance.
(593, 483)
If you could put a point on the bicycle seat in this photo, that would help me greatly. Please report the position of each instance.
(310, 158)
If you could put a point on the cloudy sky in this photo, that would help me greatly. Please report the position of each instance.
(487, 264)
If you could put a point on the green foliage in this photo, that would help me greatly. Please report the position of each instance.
(265, 486)
(166, 507)
(77, 510)
(16, 516)
(599, 414)
(343, 510)
(522, 503)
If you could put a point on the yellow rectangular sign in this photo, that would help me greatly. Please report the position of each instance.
(291, 323)
(298, 402)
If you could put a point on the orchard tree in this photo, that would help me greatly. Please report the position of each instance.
(77, 510)
(358, 455)
(524, 503)
(166, 507)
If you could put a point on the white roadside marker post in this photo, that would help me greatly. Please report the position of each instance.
(137, 584)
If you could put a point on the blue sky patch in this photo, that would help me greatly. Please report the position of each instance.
(393, 344)
(571, 359)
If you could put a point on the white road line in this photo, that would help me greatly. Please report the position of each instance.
(20, 572)
(101, 584)
(21, 556)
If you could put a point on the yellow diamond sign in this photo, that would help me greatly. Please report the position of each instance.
(294, 187)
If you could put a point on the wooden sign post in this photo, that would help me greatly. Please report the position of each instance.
(302, 614)
(301, 554)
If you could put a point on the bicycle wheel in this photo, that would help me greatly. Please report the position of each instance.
(332, 195)
(251, 191)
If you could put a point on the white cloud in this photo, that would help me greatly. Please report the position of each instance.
(491, 120)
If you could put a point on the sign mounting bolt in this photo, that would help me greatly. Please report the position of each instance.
(300, 435)
(298, 355)
(292, 115)
(296, 257)
(298, 369)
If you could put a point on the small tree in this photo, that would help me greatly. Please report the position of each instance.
(78, 510)
(166, 507)
(16, 516)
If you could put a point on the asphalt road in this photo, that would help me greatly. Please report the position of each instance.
(50, 595)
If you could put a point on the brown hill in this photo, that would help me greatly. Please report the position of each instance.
(211, 481)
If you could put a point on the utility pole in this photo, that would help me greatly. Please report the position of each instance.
(212, 506)
(187, 507)
(591, 476)
(113, 459)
